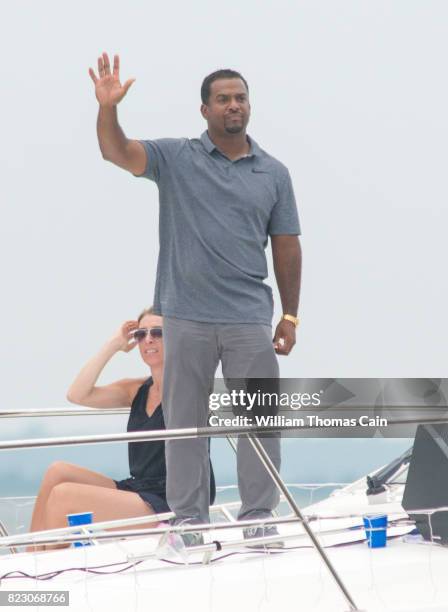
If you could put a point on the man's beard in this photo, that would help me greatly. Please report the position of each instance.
(234, 129)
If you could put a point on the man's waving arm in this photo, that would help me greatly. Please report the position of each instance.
(115, 147)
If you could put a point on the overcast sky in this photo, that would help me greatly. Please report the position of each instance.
(351, 96)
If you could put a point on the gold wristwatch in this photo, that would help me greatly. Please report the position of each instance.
(291, 318)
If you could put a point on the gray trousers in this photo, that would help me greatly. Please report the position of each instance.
(192, 351)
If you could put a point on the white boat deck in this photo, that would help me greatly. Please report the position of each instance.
(403, 576)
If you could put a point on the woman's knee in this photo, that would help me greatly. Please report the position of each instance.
(59, 471)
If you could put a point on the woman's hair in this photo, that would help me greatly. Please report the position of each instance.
(145, 312)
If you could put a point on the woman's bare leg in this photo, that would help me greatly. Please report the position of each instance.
(57, 473)
(106, 505)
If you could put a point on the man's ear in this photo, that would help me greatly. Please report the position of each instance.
(204, 110)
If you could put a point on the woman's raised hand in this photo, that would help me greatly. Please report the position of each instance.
(108, 89)
(122, 339)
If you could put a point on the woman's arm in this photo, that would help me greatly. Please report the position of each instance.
(116, 395)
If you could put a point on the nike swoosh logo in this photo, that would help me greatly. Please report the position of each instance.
(260, 170)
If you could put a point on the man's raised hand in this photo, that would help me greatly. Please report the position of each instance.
(108, 89)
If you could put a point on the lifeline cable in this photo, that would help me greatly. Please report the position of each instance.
(94, 569)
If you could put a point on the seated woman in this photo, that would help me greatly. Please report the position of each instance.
(67, 488)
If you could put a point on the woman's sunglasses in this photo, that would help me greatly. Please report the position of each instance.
(141, 333)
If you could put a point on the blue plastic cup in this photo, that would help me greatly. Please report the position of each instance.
(80, 518)
(376, 530)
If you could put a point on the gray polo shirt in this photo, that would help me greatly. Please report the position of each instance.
(215, 219)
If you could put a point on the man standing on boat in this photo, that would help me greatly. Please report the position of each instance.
(221, 197)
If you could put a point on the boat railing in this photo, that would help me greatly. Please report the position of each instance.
(53, 535)
(224, 508)
(251, 433)
(90, 411)
(184, 433)
(69, 411)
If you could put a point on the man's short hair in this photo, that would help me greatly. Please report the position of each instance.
(224, 73)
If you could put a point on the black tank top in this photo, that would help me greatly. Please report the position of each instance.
(147, 459)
